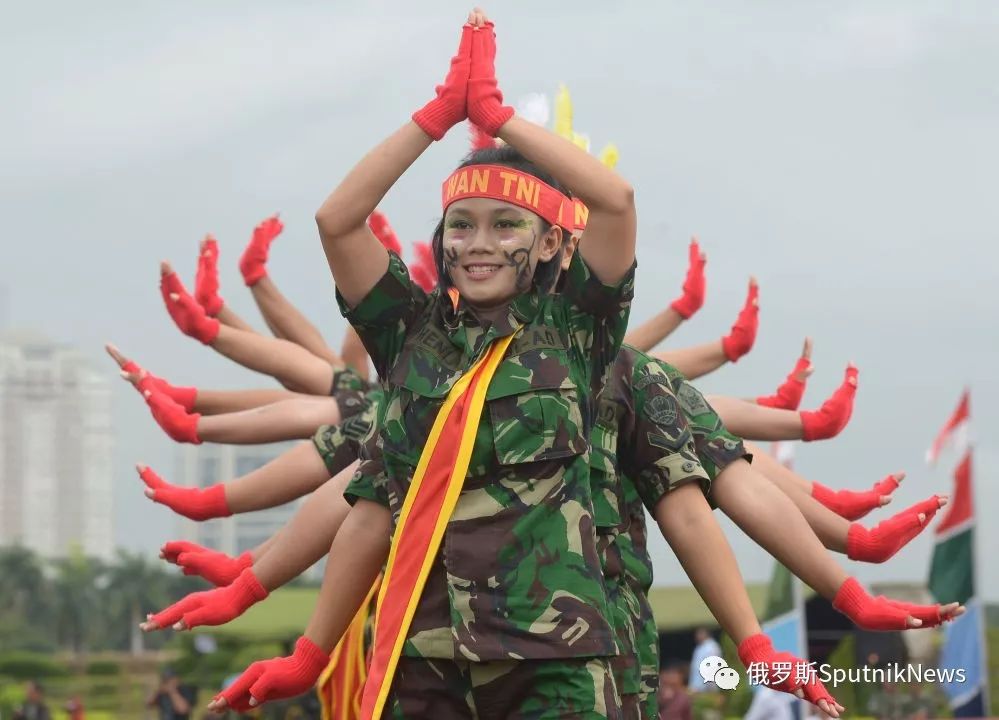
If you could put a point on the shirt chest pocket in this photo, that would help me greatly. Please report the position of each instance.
(535, 415)
(411, 409)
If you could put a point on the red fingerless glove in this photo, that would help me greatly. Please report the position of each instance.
(485, 101)
(277, 678)
(781, 670)
(380, 228)
(422, 270)
(206, 280)
(694, 284)
(253, 262)
(186, 397)
(214, 607)
(851, 504)
(176, 422)
(889, 536)
(789, 394)
(173, 548)
(216, 567)
(193, 503)
(448, 108)
(880, 613)
(930, 615)
(830, 419)
(189, 317)
(740, 339)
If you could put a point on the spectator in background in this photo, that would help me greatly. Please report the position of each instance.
(173, 700)
(705, 648)
(674, 701)
(74, 708)
(34, 707)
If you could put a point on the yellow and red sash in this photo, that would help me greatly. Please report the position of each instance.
(428, 506)
(342, 682)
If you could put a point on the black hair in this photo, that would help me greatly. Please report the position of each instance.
(546, 272)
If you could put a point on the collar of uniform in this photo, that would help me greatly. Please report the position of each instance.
(523, 309)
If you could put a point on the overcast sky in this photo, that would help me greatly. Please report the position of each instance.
(846, 154)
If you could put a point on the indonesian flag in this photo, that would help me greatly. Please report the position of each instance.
(952, 577)
(954, 433)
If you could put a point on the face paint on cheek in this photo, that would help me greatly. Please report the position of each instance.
(451, 258)
(520, 261)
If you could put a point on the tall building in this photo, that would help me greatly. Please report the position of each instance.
(55, 449)
(205, 465)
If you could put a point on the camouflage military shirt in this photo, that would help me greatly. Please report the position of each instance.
(350, 391)
(518, 574)
(641, 439)
(339, 445)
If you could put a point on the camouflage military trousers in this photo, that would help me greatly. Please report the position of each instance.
(437, 689)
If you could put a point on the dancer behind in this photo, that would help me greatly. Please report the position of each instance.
(499, 256)
(290, 364)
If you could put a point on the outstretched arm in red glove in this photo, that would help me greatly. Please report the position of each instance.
(176, 422)
(699, 360)
(216, 567)
(652, 332)
(199, 400)
(291, 475)
(285, 321)
(878, 544)
(853, 504)
(792, 390)
(290, 364)
(206, 286)
(693, 533)
(774, 522)
(830, 419)
(356, 257)
(355, 559)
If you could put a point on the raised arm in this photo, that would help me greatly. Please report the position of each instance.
(697, 361)
(356, 557)
(686, 521)
(206, 287)
(653, 331)
(356, 258)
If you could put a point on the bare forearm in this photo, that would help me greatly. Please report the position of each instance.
(756, 422)
(216, 402)
(260, 550)
(227, 316)
(356, 258)
(689, 527)
(697, 361)
(307, 536)
(652, 332)
(288, 322)
(289, 476)
(773, 521)
(608, 242)
(356, 557)
(293, 366)
(830, 528)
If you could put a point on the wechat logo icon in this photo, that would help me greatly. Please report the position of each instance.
(715, 670)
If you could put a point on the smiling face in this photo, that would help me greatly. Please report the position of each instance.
(491, 249)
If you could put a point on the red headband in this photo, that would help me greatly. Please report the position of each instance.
(512, 186)
(581, 214)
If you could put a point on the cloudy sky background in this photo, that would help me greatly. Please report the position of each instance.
(846, 154)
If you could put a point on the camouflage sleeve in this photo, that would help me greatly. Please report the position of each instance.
(660, 454)
(382, 318)
(596, 315)
(370, 481)
(340, 445)
(717, 448)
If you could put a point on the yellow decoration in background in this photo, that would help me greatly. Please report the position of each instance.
(563, 113)
(610, 155)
